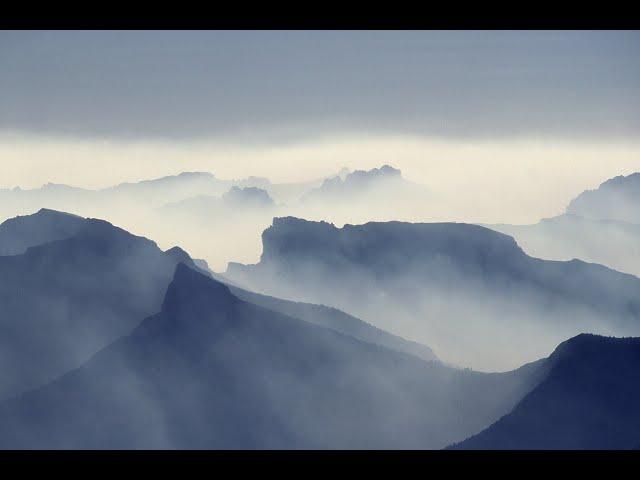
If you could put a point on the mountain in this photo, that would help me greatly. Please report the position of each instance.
(212, 371)
(206, 206)
(20, 233)
(325, 317)
(336, 320)
(19, 201)
(613, 243)
(77, 285)
(167, 189)
(616, 199)
(357, 182)
(462, 289)
(143, 195)
(588, 399)
(378, 194)
(248, 196)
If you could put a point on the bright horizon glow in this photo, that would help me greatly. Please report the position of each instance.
(514, 181)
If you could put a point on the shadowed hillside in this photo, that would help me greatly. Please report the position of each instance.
(212, 371)
(589, 399)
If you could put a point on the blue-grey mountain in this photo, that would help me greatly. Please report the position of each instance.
(213, 371)
(462, 289)
(616, 199)
(589, 398)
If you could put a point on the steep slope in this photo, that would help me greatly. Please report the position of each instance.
(616, 199)
(65, 299)
(589, 399)
(212, 371)
(462, 289)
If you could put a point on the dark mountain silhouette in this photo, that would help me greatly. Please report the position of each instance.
(427, 281)
(18, 234)
(613, 243)
(588, 399)
(616, 199)
(64, 299)
(213, 371)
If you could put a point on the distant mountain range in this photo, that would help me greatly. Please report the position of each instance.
(463, 289)
(198, 205)
(601, 226)
(149, 193)
(203, 207)
(356, 183)
(588, 399)
(613, 243)
(616, 199)
(380, 192)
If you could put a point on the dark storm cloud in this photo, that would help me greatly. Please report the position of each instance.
(277, 85)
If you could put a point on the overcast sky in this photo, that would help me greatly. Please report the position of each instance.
(519, 122)
(274, 85)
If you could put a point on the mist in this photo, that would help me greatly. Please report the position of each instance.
(318, 239)
(483, 182)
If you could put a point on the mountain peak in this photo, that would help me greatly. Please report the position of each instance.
(55, 213)
(22, 232)
(179, 255)
(191, 293)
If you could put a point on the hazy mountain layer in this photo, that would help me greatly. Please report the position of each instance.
(613, 243)
(212, 371)
(616, 199)
(336, 320)
(468, 292)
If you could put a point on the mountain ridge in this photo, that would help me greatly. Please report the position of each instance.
(212, 371)
(588, 400)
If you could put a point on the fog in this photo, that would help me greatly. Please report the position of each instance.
(474, 181)
(212, 371)
(349, 189)
(470, 294)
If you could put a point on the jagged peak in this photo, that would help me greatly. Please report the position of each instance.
(193, 292)
(179, 255)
